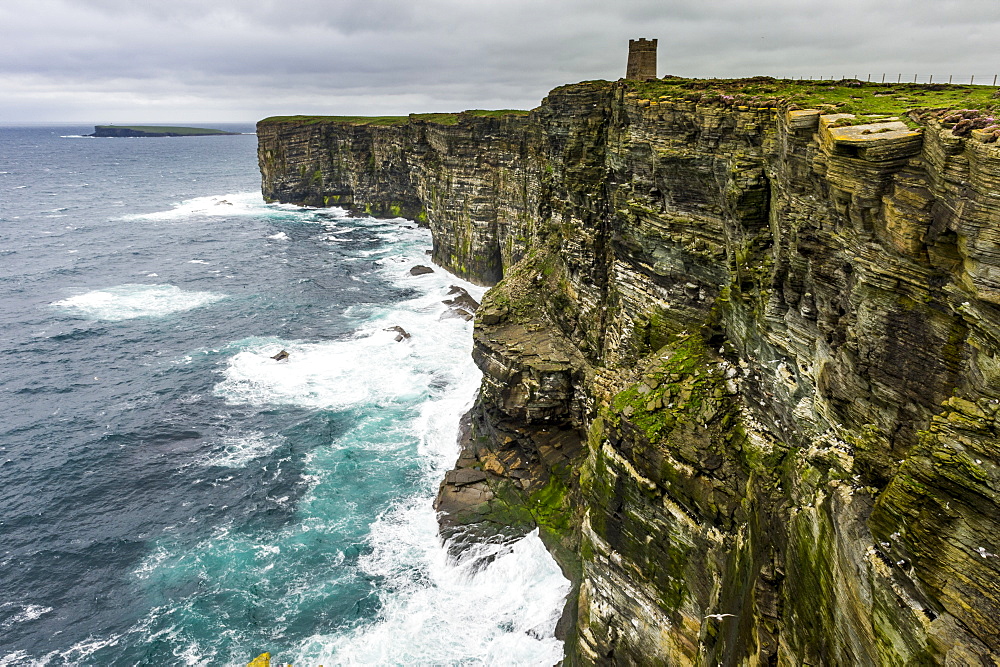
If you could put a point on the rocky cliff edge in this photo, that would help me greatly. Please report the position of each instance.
(741, 361)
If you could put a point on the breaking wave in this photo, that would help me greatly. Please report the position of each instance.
(125, 302)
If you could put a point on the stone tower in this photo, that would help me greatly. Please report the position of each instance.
(641, 59)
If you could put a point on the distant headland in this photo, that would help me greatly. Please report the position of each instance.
(153, 131)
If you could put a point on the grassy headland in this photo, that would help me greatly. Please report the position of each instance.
(154, 131)
(439, 118)
(964, 107)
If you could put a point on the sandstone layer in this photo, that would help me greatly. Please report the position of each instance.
(741, 364)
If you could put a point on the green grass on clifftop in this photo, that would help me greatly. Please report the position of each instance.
(848, 95)
(496, 113)
(348, 120)
(438, 118)
(844, 96)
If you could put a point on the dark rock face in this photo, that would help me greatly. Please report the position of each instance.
(742, 368)
(420, 270)
(408, 170)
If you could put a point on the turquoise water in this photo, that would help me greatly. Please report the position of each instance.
(175, 496)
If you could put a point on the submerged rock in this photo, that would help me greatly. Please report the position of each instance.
(462, 305)
(460, 313)
(281, 356)
(420, 270)
(462, 299)
(401, 333)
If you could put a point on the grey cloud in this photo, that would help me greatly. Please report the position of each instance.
(248, 58)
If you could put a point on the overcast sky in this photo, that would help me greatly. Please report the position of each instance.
(120, 61)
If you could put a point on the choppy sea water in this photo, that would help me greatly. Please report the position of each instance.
(172, 495)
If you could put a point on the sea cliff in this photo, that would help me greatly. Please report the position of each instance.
(741, 359)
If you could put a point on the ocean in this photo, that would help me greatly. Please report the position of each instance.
(173, 495)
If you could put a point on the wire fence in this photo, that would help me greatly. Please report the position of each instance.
(969, 79)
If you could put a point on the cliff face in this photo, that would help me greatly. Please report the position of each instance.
(742, 367)
(411, 170)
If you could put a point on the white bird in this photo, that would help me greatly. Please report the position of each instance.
(719, 617)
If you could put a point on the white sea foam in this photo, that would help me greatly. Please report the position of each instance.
(434, 610)
(151, 562)
(125, 302)
(240, 203)
(234, 204)
(239, 450)
(335, 374)
(503, 614)
(369, 368)
(28, 613)
(79, 653)
(15, 658)
(280, 236)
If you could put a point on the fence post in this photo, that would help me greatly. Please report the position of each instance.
(949, 79)
(931, 80)
(994, 79)
(883, 77)
(972, 79)
(899, 78)
(914, 78)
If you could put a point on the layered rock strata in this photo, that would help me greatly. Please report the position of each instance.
(742, 367)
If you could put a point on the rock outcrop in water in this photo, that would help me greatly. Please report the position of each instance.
(742, 367)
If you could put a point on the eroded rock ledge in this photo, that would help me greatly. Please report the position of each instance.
(742, 367)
